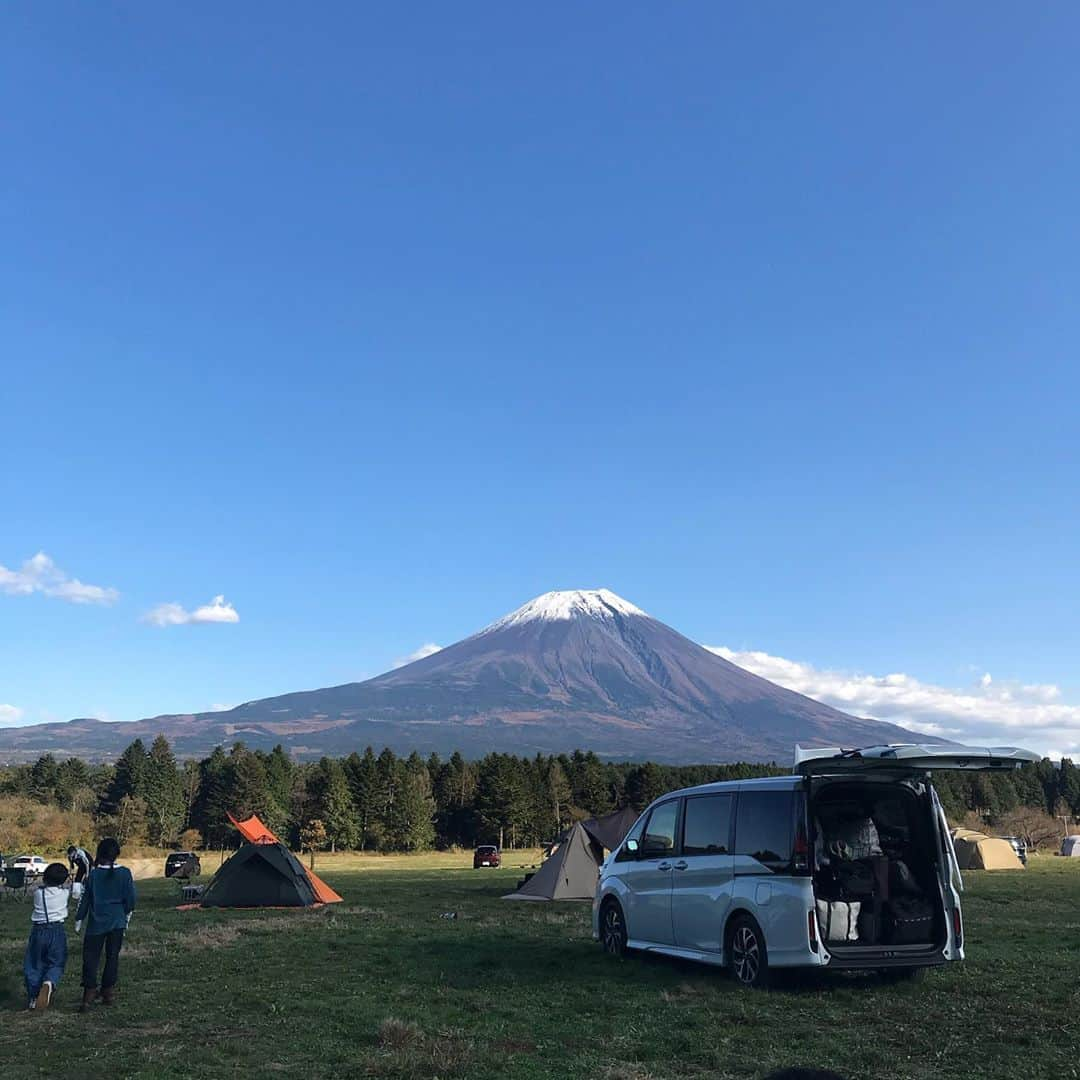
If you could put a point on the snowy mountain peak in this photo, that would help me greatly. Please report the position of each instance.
(568, 604)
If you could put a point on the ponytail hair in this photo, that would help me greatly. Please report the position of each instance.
(108, 851)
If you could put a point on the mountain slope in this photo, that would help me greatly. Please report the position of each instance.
(569, 669)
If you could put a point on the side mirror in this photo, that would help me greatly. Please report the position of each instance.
(632, 847)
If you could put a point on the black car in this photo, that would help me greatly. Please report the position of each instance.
(183, 864)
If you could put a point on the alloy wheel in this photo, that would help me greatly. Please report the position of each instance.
(746, 955)
(612, 935)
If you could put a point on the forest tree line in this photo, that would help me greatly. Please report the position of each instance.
(386, 802)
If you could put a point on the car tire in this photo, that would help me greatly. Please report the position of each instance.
(748, 958)
(613, 929)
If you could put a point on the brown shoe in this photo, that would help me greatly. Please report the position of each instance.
(87, 1000)
(44, 996)
(108, 997)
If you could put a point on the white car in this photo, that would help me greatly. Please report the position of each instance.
(848, 863)
(32, 864)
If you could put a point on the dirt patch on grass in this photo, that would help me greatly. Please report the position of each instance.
(626, 1071)
(407, 1050)
(682, 993)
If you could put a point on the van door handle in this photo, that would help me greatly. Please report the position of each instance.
(664, 866)
(681, 864)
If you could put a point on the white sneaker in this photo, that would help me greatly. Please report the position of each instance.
(45, 996)
(32, 1003)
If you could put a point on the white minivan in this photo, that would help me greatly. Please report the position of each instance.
(847, 863)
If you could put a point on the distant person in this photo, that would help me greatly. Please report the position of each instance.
(46, 951)
(80, 862)
(107, 904)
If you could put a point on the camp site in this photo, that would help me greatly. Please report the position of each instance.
(417, 964)
(539, 541)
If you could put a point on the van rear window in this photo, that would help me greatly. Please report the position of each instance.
(763, 825)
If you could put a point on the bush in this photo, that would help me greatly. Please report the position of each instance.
(26, 824)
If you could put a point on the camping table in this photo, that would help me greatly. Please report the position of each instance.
(191, 892)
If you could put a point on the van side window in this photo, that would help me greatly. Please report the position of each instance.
(707, 826)
(763, 825)
(659, 838)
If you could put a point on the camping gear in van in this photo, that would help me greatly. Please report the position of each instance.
(909, 921)
(901, 879)
(851, 834)
(869, 924)
(838, 920)
(855, 879)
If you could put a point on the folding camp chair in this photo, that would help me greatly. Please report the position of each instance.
(16, 882)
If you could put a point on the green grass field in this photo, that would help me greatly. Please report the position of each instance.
(383, 986)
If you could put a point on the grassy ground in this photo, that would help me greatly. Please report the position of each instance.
(383, 986)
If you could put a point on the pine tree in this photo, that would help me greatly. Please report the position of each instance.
(250, 790)
(44, 774)
(129, 777)
(362, 773)
(279, 778)
(1069, 785)
(334, 805)
(163, 794)
(213, 799)
(72, 781)
(645, 783)
(413, 821)
(559, 792)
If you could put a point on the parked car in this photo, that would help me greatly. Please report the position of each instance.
(33, 865)
(1018, 845)
(846, 864)
(178, 861)
(485, 855)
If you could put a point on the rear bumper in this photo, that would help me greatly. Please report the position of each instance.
(864, 958)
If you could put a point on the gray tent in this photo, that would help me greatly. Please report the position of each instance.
(1071, 846)
(569, 874)
(610, 831)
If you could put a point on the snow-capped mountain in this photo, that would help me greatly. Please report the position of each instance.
(577, 668)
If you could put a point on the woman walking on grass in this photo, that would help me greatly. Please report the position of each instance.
(107, 903)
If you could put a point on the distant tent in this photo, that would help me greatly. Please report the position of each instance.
(569, 874)
(977, 851)
(254, 832)
(260, 875)
(1071, 846)
(610, 831)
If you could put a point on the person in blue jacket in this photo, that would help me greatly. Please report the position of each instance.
(106, 905)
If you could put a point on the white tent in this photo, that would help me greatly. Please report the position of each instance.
(1071, 846)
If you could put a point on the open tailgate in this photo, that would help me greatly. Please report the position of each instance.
(908, 758)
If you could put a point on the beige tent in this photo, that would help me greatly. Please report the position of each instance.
(977, 851)
(570, 873)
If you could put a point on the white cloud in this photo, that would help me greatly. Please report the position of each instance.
(427, 649)
(41, 575)
(10, 714)
(217, 611)
(989, 713)
(221, 708)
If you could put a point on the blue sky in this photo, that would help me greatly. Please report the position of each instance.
(377, 323)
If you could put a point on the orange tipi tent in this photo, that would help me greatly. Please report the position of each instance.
(255, 832)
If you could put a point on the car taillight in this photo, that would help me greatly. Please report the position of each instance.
(811, 928)
(958, 928)
(800, 849)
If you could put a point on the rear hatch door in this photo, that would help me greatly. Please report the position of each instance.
(908, 759)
